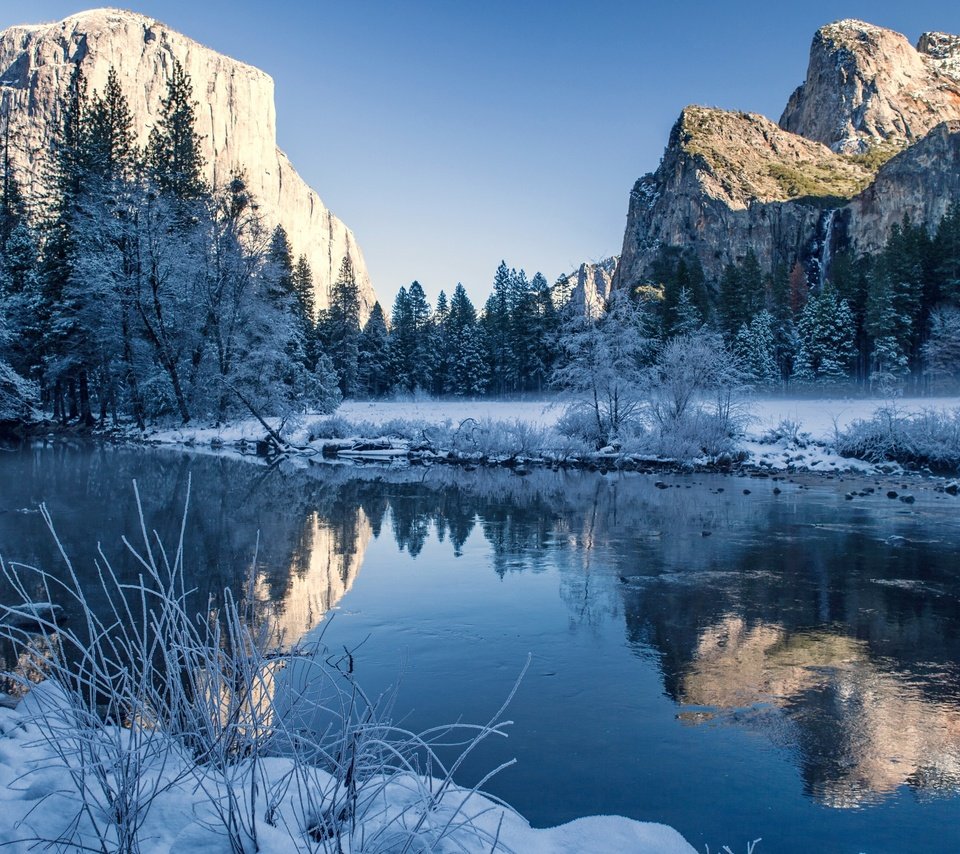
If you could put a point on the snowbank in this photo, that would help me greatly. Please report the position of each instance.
(39, 804)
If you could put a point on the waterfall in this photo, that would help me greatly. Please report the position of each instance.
(826, 246)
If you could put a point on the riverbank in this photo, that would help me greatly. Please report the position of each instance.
(777, 435)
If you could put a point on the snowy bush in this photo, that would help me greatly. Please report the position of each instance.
(695, 394)
(930, 437)
(788, 433)
(17, 395)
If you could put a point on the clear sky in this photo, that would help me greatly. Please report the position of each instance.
(450, 134)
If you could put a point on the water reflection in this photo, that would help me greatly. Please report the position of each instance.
(795, 615)
(861, 728)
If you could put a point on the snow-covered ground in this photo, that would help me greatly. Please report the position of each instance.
(814, 422)
(181, 808)
(820, 417)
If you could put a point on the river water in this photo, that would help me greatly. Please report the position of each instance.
(707, 652)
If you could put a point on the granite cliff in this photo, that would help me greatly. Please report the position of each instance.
(236, 116)
(872, 135)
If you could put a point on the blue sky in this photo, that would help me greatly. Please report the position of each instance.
(450, 135)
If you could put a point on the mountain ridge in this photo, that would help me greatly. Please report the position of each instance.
(731, 182)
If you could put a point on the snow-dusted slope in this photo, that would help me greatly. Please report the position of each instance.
(236, 116)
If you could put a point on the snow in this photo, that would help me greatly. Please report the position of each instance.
(38, 802)
(819, 417)
(813, 422)
(541, 412)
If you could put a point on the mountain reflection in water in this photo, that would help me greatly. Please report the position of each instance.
(830, 628)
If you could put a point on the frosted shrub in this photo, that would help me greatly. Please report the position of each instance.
(930, 437)
(695, 393)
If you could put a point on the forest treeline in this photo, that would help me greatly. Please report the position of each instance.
(132, 289)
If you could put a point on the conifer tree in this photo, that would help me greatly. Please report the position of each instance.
(496, 331)
(825, 338)
(685, 317)
(173, 149)
(730, 303)
(306, 309)
(374, 366)
(888, 362)
(755, 346)
(343, 319)
(402, 342)
(468, 368)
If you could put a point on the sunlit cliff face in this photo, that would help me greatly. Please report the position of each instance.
(861, 730)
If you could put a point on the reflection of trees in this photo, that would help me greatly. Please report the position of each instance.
(789, 617)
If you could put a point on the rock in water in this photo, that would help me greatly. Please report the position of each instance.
(236, 117)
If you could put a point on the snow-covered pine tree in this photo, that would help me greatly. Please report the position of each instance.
(825, 337)
(755, 346)
(686, 317)
(402, 342)
(375, 376)
(468, 368)
(496, 331)
(442, 355)
(343, 327)
(421, 366)
(889, 364)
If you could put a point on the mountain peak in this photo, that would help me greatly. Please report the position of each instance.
(867, 85)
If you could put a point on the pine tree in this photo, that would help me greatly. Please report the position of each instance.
(402, 342)
(374, 374)
(730, 303)
(306, 309)
(173, 149)
(468, 368)
(686, 318)
(421, 327)
(496, 331)
(888, 362)
(755, 345)
(825, 336)
(343, 318)
(442, 346)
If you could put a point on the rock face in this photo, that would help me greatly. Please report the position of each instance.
(731, 183)
(235, 115)
(920, 183)
(866, 85)
(589, 285)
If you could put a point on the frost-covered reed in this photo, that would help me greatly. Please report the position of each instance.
(146, 701)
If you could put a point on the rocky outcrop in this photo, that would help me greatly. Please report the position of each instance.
(943, 50)
(871, 136)
(235, 115)
(919, 183)
(589, 285)
(867, 85)
(730, 183)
